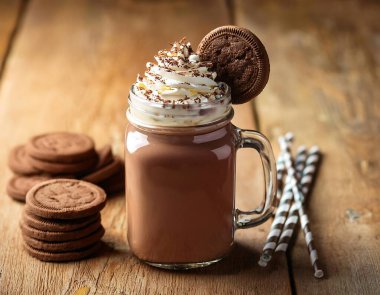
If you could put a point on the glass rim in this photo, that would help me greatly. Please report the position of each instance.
(181, 129)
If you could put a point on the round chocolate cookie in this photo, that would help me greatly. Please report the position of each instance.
(62, 168)
(57, 225)
(18, 162)
(15, 196)
(239, 59)
(62, 147)
(18, 186)
(114, 184)
(50, 236)
(105, 156)
(65, 199)
(105, 172)
(64, 256)
(65, 246)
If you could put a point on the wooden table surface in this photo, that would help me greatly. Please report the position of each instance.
(68, 65)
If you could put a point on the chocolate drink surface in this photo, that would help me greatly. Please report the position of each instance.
(180, 194)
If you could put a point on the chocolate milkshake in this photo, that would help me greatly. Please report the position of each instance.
(180, 163)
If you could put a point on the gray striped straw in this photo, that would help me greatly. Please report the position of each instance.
(300, 160)
(285, 201)
(299, 198)
(277, 225)
(308, 175)
(310, 170)
(281, 170)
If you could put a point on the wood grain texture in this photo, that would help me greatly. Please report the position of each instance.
(324, 86)
(9, 13)
(70, 69)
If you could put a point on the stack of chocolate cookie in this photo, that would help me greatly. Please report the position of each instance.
(63, 155)
(61, 220)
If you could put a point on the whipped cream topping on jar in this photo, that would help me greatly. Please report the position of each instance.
(179, 90)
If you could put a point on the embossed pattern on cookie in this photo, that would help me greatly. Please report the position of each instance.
(239, 59)
(62, 147)
(65, 199)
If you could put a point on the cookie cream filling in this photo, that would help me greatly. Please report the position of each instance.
(178, 90)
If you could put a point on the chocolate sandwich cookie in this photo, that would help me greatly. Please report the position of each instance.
(18, 161)
(239, 59)
(15, 195)
(65, 199)
(64, 256)
(61, 147)
(18, 186)
(65, 246)
(105, 172)
(62, 168)
(57, 225)
(115, 183)
(50, 236)
(105, 156)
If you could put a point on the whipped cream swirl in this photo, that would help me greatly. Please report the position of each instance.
(179, 77)
(179, 90)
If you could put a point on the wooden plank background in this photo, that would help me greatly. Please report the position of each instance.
(68, 65)
(324, 86)
(10, 13)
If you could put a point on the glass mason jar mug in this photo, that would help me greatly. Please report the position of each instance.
(180, 181)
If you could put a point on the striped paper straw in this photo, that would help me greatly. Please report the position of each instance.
(285, 201)
(277, 225)
(299, 198)
(318, 272)
(281, 168)
(308, 175)
(300, 160)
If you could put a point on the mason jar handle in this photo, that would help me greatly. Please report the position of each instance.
(254, 139)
